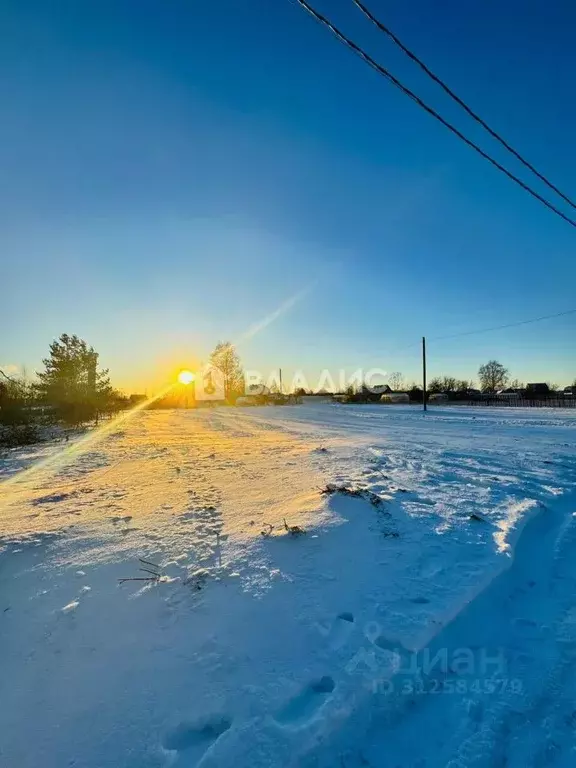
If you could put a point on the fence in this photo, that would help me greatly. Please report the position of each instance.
(514, 402)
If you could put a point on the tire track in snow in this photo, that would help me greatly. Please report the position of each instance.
(483, 726)
(469, 731)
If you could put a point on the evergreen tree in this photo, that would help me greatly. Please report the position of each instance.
(71, 382)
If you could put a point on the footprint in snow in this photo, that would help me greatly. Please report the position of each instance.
(429, 567)
(194, 737)
(303, 708)
(341, 629)
(51, 499)
(338, 631)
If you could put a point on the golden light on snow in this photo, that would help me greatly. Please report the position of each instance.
(66, 455)
(185, 377)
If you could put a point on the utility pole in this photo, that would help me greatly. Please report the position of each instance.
(424, 396)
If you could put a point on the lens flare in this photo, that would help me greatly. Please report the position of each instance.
(48, 466)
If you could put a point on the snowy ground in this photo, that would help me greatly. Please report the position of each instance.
(428, 621)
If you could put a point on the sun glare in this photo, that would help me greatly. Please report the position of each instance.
(185, 377)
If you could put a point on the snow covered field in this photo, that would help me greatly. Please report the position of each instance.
(424, 618)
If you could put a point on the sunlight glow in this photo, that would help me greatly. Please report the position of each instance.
(80, 446)
(186, 377)
(54, 462)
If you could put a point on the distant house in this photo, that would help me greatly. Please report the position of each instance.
(438, 397)
(380, 389)
(508, 393)
(534, 391)
(395, 397)
(569, 391)
(374, 393)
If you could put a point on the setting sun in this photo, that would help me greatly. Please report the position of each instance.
(185, 377)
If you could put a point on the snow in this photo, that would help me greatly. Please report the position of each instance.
(433, 598)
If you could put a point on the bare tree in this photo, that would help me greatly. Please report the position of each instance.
(493, 376)
(435, 385)
(226, 360)
(396, 381)
(449, 384)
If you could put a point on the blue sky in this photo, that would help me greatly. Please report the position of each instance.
(172, 172)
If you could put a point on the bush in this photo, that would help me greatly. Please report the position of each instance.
(17, 435)
(15, 402)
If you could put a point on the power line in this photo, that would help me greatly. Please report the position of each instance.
(387, 31)
(403, 347)
(507, 325)
(385, 73)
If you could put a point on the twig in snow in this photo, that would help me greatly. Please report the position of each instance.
(293, 530)
(360, 493)
(147, 570)
(267, 532)
(155, 575)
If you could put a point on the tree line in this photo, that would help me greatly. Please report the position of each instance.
(493, 377)
(72, 390)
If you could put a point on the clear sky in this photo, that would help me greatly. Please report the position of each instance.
(173, 171)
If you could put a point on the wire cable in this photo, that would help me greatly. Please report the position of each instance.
(403, 347)
(501, 327)
(385, 73)
(387, 31)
